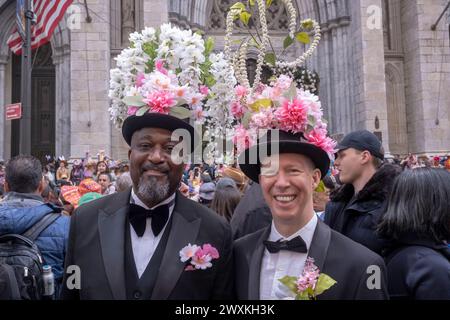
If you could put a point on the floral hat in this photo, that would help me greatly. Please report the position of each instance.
(73, 194)
(165, 79)
(296, 114)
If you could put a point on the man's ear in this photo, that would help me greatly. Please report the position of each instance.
(317, 177)
(6, 187)
(366, 157)
(129, 154)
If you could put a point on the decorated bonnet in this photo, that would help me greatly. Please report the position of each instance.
(282, 104)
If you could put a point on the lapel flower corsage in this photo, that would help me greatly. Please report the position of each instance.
(310, 284)
(198, 257)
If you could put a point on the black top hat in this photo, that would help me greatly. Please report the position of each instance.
(155, 120)
(287, 143)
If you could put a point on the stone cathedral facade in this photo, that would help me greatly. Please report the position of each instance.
(381, 68)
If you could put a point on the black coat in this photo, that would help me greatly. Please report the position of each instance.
(418, 269)
(337, 256)
(251, 214)
(97, 246)
(359, 220)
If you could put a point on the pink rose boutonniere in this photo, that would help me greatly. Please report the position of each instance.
(198, 257)
(310, 284)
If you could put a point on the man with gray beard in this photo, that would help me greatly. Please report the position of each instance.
(150, 242)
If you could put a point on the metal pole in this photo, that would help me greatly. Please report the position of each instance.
(434, 26)
(25, 121)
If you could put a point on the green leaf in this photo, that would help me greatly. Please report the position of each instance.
(260, 104)
(209, 46)
(245, 17)
(268, 3)
(270, 58)
(134, 101)
(200, 32)
(311, 120)
(303, 37)
(251, 3)
(288, 41)
(180, 112)
(324, 283)
(292, 92)
(238, 6)
(307, 24)
(290, 282)
(142, 111)
(302, 296)
(246, 119)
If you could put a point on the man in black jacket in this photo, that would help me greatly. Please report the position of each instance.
(355, 210)
(296, 235)
(141, 244)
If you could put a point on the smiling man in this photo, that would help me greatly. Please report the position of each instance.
(150, 242)
(288, 179)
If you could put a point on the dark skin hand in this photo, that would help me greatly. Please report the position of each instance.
(150, 156)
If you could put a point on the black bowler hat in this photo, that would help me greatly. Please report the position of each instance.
(155, 120)
(362, 140)
(287, 143)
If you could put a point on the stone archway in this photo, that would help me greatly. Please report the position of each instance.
(60, 47)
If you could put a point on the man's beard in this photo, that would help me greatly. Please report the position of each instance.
(152, 191)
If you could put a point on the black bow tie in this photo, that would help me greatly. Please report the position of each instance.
(138, 218)
(297, 245)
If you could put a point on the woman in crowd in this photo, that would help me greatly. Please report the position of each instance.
(62, 171)
(226, 198)
(417, 226)
(101, 168)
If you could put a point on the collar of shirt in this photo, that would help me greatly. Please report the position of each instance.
(135, 200)
(307, 232)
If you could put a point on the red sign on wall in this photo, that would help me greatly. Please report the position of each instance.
(14, 111)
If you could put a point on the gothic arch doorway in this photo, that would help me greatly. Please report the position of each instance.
(42, 103)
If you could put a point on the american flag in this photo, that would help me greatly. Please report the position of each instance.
(48, 14)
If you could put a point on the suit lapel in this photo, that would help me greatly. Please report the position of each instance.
(319, 244)
(111, 226)
(255, 266)
(185, 228)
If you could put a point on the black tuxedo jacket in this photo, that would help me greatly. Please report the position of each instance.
(336, 255)
(97, 247)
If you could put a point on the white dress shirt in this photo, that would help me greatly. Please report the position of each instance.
(144, 247)
(284, 263)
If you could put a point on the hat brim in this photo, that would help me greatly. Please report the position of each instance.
(155, 120)
(319, 157)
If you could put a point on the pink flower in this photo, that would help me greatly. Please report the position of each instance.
(188, 252)
(209, 249)
(242, 139)
(140, 80)
(196, 99)
(201, 260)
(318, 137)
(204, 90)
(160, 101)
(237, 110)
(132, 111)
(159, 65)
(309, 277)
(292, 116)
(262, 120)
(241, 91)
(199, 114)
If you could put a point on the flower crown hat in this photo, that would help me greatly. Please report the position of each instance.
(164, 80)
(294, 113)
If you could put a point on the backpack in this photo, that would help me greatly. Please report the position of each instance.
(21, 263)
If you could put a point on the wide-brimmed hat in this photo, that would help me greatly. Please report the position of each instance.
(73, 194)
(287, 143)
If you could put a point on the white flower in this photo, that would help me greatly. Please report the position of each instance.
(188, 252)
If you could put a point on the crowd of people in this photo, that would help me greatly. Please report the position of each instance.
(385, 206)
